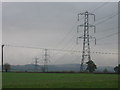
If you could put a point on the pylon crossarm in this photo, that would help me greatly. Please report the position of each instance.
(93, 15)
(80, 14)
(93, 38)
(78, 27)
(94, 27)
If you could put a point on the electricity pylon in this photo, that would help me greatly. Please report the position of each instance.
(86, 38)
(36, 64)
(46, 61)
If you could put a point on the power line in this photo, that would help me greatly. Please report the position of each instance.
(92, 11)
(99, 19)
(105, 20)
(108, 36)
(103, 30)
(9, 45)
(97, 8)
(68, 32)
(76, 22)
(108, 29)
(58, 44)
(60, 50)
(69, 40)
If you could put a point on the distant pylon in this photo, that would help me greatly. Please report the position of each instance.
(36, 64)
(46, 61)
(86, 42)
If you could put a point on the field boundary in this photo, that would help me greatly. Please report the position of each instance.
(66, 72)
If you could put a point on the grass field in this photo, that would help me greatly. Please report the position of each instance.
(59, 80)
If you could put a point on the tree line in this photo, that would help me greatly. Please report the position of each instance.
(90, 67)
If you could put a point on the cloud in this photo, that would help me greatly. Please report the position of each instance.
(45, 24)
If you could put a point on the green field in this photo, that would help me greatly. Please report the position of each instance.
(59, 80)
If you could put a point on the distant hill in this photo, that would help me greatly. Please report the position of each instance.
(102, 68)
(31, 67)
(61, 67)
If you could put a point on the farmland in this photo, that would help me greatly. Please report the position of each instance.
(59, 80)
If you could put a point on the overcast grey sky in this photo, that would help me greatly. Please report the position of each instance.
(54, 25)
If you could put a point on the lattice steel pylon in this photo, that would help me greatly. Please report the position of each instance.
(36, 64)
(86, 38)
(46, 61)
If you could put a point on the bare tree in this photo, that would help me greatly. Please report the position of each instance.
(7, 67)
